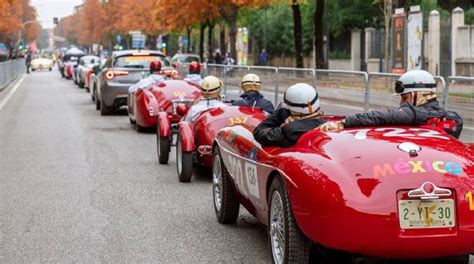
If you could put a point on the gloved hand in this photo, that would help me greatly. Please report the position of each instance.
(331, 127)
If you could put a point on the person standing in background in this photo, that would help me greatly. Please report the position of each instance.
(263, 58)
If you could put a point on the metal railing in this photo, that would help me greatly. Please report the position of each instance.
(9, 70)
(353, 88)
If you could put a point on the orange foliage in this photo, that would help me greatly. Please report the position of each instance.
(13, 14)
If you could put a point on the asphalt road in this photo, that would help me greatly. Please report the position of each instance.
(77, 187)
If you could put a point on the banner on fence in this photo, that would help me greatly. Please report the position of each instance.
(415, 37)
(398, 42)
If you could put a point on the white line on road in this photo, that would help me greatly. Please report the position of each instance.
(11, 92)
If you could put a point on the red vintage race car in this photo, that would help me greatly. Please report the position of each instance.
(388, 192)
(194, 139)
(147, 103)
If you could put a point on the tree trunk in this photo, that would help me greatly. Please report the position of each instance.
(210, 44)
(233, 39)
(318, 34)
(388, 32)
(201, 40)
(297, 27)
(189, 30)
(222, 39)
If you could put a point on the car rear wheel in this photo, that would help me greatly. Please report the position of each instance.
(139, 128)
(133, 122)
(163, 145)
(50, 69)
(184, 162)
(226, 204)
(104, 110)
(97, 104)
(287, 242)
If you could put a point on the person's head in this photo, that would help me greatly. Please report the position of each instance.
(211, 87)
(302, 99)
(251, 82)
(155, 67)
(416, 87)
(263, 50)
(194, 68)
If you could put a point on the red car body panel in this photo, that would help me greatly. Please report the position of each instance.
(146, 103)
(165, 125)
(346, 186)
(187, 136)
(69, 70)
(205, 127)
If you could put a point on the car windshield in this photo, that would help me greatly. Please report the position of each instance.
(91, 59)
(139, 61)
(189, 59)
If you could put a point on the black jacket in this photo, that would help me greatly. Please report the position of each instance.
(405, 115)
(255, 99)
(269, 132)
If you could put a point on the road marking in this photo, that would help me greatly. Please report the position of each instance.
(11, 92)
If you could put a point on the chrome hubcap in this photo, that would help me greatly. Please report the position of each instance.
(178, 156)
(277, 228)
(217, 182)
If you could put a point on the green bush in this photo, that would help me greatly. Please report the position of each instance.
(339, 55)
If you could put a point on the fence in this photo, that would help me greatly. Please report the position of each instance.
(9, 70)
(362, 90)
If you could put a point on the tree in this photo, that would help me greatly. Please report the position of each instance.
(297, 33)
(319, 34)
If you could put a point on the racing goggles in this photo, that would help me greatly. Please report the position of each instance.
(400, 87)
(309, 104)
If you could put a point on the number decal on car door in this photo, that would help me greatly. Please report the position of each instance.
(361, 134)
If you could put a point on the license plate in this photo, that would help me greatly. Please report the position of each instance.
(418, 214)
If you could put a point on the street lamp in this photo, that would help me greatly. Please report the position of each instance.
(22, 26)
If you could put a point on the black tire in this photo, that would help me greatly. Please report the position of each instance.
(296, 246)
(184, 163)
(163, 146)
(104, 110)
(140, 128)
(81, 85)
(50, 69)
(133, 122)
(227, 211)
(97, 104)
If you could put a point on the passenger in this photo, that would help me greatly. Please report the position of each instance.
(155, 77)
(194, 73)
(252, 97)
(286, 125)
(418, 104)
(211, 94)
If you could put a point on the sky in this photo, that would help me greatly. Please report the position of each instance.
(47, 9)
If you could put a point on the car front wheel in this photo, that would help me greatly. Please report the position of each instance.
(184, 162)
(226, 204)
(287, 242)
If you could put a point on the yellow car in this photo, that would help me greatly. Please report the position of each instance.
(41, 64)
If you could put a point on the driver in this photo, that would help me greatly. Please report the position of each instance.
(286, 125)
(155, 77)
(194, 73)
(252, 97)
(211, 94)
(418, 104)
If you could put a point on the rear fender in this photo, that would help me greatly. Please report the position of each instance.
(186, 133)
(164, 124)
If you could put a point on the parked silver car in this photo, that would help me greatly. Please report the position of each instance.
(120, 71)
(85, 64)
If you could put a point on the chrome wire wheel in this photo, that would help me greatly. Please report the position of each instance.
(179, 156)
(277, 228)
(217, 182)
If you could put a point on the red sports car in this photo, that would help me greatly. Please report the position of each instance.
(388, 192)
(147, 103)
(194, 139)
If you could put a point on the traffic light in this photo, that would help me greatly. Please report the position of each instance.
(55, 20)
(163, 45)
(120, 47)
(20, 46)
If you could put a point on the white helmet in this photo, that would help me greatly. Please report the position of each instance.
(415, 81)
(302, 98)
(211, 86)
(251, 82)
